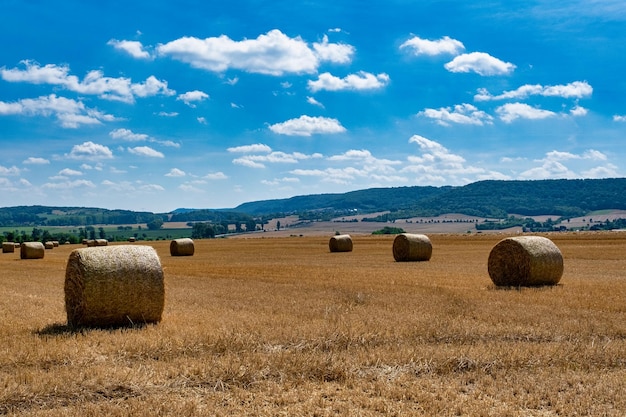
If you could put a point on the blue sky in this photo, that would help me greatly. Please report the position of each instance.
(155, 105)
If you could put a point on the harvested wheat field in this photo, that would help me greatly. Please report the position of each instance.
(282, 326)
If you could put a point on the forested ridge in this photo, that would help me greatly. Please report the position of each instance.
(496, 199)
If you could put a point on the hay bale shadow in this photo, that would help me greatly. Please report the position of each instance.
(58, 329)
(520, 288)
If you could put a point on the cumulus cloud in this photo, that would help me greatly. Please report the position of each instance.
(307, 126)
(70, 113)
(94, 83)
(576, 89)
(255, 148)
(90, 151)
(313, 101)
(175, 172)
(216, 176)
(553, 166)
(145, 151)
(513, 111)
(359, 81)
(133, 48)
(190, 97)
(258, 161)
(273, 53)
(9, 171)
(65, 185)
(445, 45)
(437, 164)
(618, 118)
(35, 161)
(67, 172)
(481, 63)
(459, 114)
(128, 135)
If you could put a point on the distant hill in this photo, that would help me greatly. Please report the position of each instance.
(496, 199)
(483, 198)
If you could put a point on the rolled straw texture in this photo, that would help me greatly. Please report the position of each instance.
(8, 247)
(409, 247)
(48, 245)
(102, 242)
(32, 250)
(114, 286)
(182, 247)
(340, 243)
(525, 261)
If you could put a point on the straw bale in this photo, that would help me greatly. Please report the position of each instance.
(55, 243)
(182, 247)
(132, 239)
(525, 261)
(102, 242)
(410, 247)
(8, 247)
(32, 250)
(340, 243)
(114, 286)
(90, 243)
(48, 245)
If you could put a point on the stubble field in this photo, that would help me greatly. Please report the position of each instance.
(281, 326)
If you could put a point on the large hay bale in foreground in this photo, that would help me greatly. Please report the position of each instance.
(525, 261)
(410, 247)
(114, 286)
(8, 247)
(32, 250)
(182, 247)
(340, 243)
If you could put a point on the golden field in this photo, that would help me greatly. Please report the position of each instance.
(282, 327)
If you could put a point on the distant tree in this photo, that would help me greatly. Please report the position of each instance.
(36, 234)
(278, 225)
(251, 225)
(102, 233)
(155, 224)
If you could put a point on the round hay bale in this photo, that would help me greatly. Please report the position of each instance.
(114, 286)
(182, 247)
(84, 241)
(48, 245)
(32, 250)
(525, 261)
(340, 243)
(132, 239)
(55, 243)
(8, 247)
(102, 242)
(409, 247)
(90, 243)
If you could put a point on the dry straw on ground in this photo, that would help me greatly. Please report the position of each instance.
(408, 247)
(525, 261)
(114, 285)
(8, 247)
(340, 243)
(182, 247)
(32, 250)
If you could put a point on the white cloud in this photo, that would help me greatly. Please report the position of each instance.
(35, 161)
(246, 162)
(146, 151)
(151, 187)
(67, 172)
(90, 151)
(355, 82)
(192, 96)
(255, 148)
(70, 113)
(9, 171)
(168, 114)
(216, 176)
(273, 53)
(257, 161)
(579, 111)
(175, 172)
(128, 135)
(459, 114)
(338, 53)
(512, 111)
(445, 45)
(94, 83)
(553, 166)
(618, 118)
(577, 89)
(480, 63)
(313, 101)
(69, 185)
(608, 171)
(133, 48)
(202, 120)
(307, 126)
